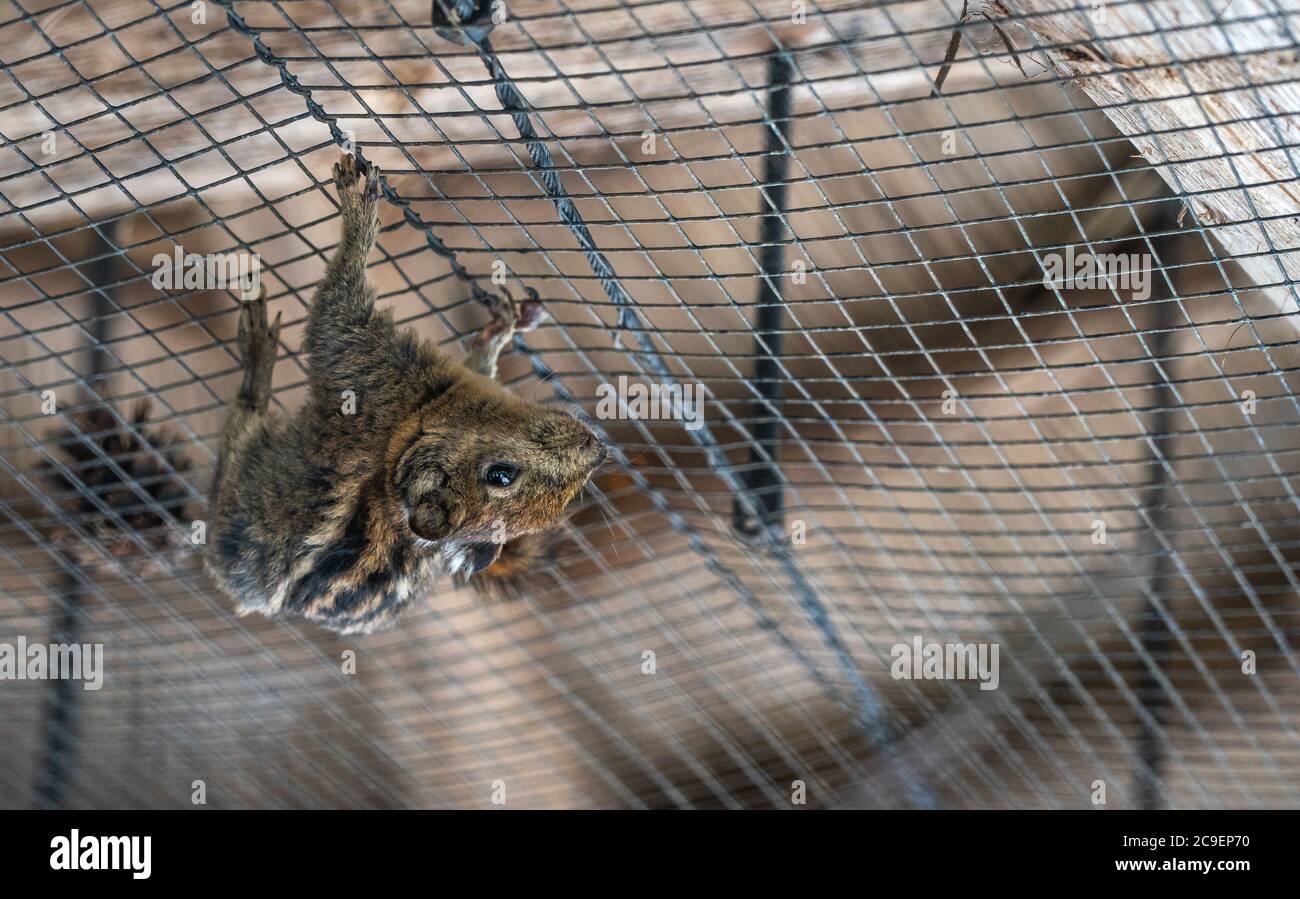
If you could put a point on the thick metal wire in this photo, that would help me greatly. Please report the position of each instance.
(782, 133)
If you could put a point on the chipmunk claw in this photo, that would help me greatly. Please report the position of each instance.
(356, 180)
(346, 173)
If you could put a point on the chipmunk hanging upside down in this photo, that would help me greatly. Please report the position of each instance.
(348, 515)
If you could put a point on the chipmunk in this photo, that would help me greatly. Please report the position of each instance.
(348, 519)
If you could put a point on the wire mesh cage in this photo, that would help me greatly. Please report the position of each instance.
(990, 308)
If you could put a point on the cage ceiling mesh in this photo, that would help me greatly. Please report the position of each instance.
(910, 434)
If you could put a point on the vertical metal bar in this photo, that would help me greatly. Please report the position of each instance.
(762, 479)
(1153, 630)
(57, 759)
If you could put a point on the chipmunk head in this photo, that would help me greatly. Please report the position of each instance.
(476, 466)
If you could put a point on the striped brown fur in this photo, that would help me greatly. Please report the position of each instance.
(346, 515)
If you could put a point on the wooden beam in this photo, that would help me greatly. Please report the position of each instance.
(1212, 104)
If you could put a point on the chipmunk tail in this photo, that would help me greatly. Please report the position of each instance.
(135, 469)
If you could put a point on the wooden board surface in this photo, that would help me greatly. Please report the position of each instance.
(1212, 103)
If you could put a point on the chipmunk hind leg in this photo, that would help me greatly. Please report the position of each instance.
(258, 342)
(358, 190)
(345, 298)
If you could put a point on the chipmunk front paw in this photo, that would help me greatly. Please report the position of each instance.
(508, 318)
(530, 314)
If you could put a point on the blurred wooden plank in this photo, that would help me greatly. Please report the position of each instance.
(1213, 104)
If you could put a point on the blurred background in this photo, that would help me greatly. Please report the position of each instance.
(846, 257)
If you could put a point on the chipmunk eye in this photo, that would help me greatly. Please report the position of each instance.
(501, 474)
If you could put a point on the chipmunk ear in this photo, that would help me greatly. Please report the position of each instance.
(437, 514)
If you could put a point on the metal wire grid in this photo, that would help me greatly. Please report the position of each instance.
(547, 694)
